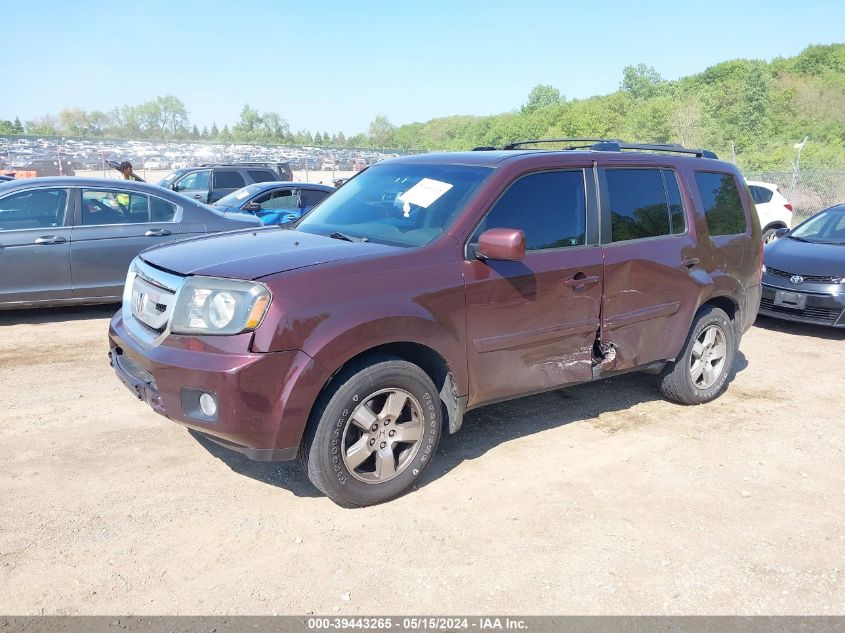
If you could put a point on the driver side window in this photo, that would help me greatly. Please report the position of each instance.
(549, 207)
(284, 199)
(195, 181)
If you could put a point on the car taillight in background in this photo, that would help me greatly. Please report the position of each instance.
(788, 207)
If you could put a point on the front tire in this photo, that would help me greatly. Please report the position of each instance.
(373, 433)
(770, 235)
(700, 373)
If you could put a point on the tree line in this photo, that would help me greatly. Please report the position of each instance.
(750, 111)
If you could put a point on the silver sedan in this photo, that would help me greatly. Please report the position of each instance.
(70, 240)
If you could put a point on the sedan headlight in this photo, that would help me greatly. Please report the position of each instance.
(208, 305)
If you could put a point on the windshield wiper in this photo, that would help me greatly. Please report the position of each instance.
(349, 238)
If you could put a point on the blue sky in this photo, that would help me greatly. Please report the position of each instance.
(327, 66)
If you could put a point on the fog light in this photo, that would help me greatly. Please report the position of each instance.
(208, 405)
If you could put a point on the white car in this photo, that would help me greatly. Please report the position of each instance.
(774, 211)
(156, 162)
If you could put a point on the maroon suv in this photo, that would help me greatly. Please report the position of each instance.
(430, 285)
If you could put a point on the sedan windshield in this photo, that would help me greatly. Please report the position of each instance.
(827, 227)
(237, 197)
(396, 203)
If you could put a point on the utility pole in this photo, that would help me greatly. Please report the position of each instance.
(796, 168)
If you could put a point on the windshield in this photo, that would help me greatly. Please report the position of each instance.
(169, 178)
(396, 203)
(235, 198)
(827, 227)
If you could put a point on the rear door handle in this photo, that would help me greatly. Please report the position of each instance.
(156, 233)
(50, 239)
(691, 262)
(576, 282)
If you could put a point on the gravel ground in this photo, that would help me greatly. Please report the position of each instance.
(601, 498)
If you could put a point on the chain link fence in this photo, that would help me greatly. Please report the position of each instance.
(809, 190)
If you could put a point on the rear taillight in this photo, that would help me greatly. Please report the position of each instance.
(788, 207)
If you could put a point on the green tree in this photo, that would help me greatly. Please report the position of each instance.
(17, 126)
(541, 96)
(340, 140)
(213, 133)
(381, 131)
(641, 81)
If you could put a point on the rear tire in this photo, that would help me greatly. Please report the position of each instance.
(372, 433)
(701, 371)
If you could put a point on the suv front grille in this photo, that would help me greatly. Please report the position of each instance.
(809, 279)
(149, 301)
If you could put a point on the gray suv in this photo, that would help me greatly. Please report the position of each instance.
(209, 183)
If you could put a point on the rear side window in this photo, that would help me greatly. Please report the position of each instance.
(549, 207)
(35, 209)
(261, 175)
(722, 204)
(227, 179)
(104, 206)
(761, 195)
(644, 203)
(162, 210)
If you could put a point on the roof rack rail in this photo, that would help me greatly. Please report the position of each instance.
(616, 145)
(580, 141)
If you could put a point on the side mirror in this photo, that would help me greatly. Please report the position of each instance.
(781, 232)
(174, 186)
(502, 244)
(252, 206)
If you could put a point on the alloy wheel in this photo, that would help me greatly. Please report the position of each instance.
(707, 361)
(382, 436)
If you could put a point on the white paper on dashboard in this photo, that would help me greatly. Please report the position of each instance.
(425, 193)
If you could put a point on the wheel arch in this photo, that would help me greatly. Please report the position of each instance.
(432, 362)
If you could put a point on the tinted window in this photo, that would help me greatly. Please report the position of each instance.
(722, 204)
(638, 204)
(261, 175)
(195, 181)
(761, 195)
(676, 207)
(101, 206)
(309, 197)
(549, 208)
(162, 210)
(228, 180)
(34, 209)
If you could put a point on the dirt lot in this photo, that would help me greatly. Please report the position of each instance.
(598, 499)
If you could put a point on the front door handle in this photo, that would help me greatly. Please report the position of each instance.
(691, 262)
(577, 282)
(50, 239)
(156, 233)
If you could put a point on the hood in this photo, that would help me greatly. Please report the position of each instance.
(805, 258)
(256, 253)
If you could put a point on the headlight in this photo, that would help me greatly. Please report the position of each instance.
(208, 305)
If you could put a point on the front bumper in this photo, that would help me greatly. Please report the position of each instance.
(825, 304)
(264, 399)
